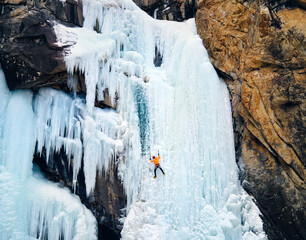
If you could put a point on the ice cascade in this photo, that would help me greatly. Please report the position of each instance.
(30, 206)
(169, 99)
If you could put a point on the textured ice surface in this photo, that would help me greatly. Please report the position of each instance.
(17, 132)
(31, 207)
(172, 101)
(64, 122)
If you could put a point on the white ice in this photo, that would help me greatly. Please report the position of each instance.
(179, 108)
(63, 122)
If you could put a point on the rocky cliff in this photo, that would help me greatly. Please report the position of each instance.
(259, 48)
(29, 53)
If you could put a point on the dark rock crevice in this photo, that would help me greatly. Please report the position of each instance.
(105, 202)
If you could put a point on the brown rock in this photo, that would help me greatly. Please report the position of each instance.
(14, 1)
(110, 197)
(261, 50)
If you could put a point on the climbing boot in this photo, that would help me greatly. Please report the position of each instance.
(154, 177)
(164, 173)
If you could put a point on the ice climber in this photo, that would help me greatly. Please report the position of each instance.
(155, 160)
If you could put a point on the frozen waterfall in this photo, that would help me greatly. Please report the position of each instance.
(172, 101)
(168, 99)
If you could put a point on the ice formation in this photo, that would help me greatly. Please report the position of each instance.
(31, 207)
(63, 122)
(172, 101)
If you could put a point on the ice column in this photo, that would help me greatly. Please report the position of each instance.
(18, 138)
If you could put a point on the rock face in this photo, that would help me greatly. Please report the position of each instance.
(259, 47)
(29, 54)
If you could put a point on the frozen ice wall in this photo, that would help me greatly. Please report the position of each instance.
(31, 207)
(172, 101)
(63, 122)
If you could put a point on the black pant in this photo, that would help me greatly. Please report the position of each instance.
(157, 166)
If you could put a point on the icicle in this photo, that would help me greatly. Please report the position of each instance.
(64, 123)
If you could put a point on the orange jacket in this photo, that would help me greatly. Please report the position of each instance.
(155, 160)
